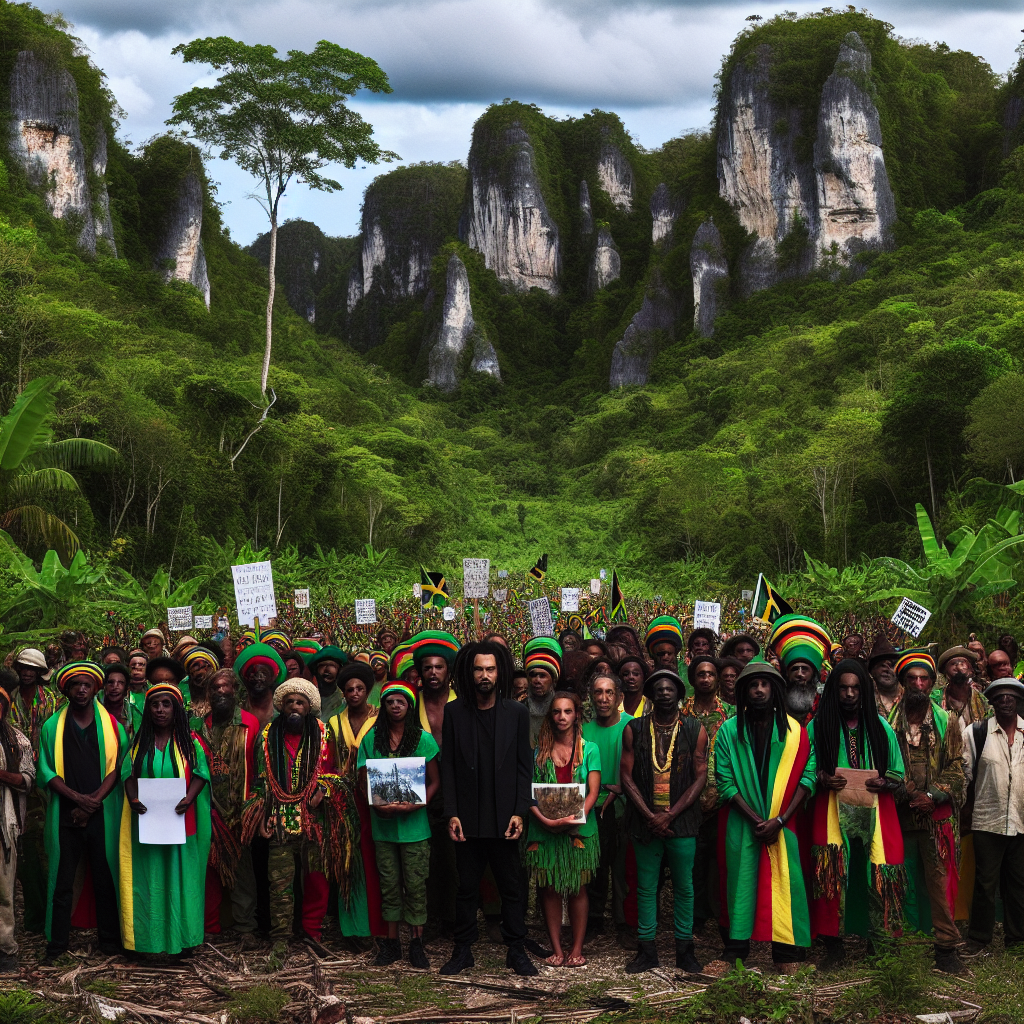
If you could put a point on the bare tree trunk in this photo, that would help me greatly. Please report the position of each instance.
(270, 298)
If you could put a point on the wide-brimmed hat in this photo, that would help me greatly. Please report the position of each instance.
(34, 658)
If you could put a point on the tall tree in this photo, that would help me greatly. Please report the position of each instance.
(281, 120)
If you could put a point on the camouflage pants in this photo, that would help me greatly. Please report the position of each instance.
(315, 890)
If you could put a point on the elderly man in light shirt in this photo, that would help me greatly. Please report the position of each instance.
(994, 760)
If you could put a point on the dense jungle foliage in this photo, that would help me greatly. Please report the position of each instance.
(820, 413)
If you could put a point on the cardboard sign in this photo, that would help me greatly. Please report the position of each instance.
(570, 599)
(204, 622)
(448, 614)
(302, 598)
(179, 619)
(540, 617)
(911, 617)
(366, 611)
(707, 615)
(475, 572)
(500, 595)
(595, 587)
(254, 593)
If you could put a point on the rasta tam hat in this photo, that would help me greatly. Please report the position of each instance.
(201, 655)
(330, 653)
(543, 652)
(665, 629)
(957, 652)
(433, 643)
(397, 687)
(261, 655)
(664, 673)
(275, 638)
(301, 687)
(918, 657)
(401, 660)
(799, 638)
(165, 690)
(882, 650)
(73, 669)
(33, 658)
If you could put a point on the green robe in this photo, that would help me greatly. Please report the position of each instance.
(112, 742)
(163, 888)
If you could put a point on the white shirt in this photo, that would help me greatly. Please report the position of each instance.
(999, 785)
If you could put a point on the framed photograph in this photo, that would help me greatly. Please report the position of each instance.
(561, 800)
(396, 780)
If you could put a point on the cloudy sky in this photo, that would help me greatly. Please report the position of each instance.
(651, 61)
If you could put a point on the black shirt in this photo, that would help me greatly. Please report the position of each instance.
(487, 811)
(81, 763)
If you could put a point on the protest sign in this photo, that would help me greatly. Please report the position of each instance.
(366, 611)
(540, 617)
(475, 572)
(302, 598)
(707, 615)
(179, 619)
(911, 617)
(254, 593)
(204, 622)
(570, 599)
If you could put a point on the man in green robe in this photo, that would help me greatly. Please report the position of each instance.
(78, 761)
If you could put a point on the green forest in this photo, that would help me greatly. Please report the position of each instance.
(798, 441)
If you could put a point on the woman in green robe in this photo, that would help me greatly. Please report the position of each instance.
(163, 886)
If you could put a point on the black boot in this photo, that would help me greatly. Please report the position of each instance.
(519, 962)
(645, 959)
(388, 952)
(417, 954)
(461, 959)
(685, 960)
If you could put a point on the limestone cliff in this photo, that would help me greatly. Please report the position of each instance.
(653, 322)
(457, 330)
(180, 253)
(616, 176)
(605, 265)
(710, 273)
(506, 218)
(664, 212)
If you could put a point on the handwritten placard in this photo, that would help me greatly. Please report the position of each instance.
(302, 598)
(540, 617)
(911, 617)
(204, 622)
(570, 599)
(707, 615)
(254, 592)
(475, 572)
(179, 619)
(366, 611)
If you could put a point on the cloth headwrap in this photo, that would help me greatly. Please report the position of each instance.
(665, 629)
(433, 643)
(396, 686)
(300, 686)
(198, 654)
(275, 638)
(378, 658)
(916, 656)
(165, 689)
(306, 646)
(401, 661)
(799, 638)
(63, 676)
(543, 652)
(261, 654)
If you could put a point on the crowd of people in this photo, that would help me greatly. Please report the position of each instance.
(794, 790)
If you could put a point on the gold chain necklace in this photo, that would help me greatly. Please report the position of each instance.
(661, 769)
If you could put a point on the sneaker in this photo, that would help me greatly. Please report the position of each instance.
(646, 959)
(417, 955)
(388, 952)
(685, 959)
(948, 961)
(518, 961)
(461, 959)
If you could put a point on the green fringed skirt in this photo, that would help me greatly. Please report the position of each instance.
(557, 862)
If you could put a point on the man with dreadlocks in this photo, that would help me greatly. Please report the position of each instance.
(857, 846)
(79, 758)
(764, 767)
(304, 809)
(163, 886)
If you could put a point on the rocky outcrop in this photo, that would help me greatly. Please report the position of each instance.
(605, 265)
(664, 212)
(616, 176)
(710, 274)
(586, 215)
(507, 219)
(457, 330)
(46, 141)
(841, 198)
(653, 322)
(180, 253)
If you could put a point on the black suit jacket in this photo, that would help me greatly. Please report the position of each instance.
(513, 763)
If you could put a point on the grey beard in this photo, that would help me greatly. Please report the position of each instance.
(800, 699)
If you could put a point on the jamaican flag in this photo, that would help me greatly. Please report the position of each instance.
(540, 570)
(617, 602)
(768, 603)
(433, 589)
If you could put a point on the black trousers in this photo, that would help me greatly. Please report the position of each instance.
(998, 865)
(76, 843)
(471, 859)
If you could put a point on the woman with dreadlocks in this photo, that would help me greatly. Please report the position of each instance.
(563, 853)
(857, 846)
(163, 886)
(401, 829)
(764, 767)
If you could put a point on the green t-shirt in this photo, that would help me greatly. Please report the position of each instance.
(412, 826)
(608, 740)
(591, 763)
